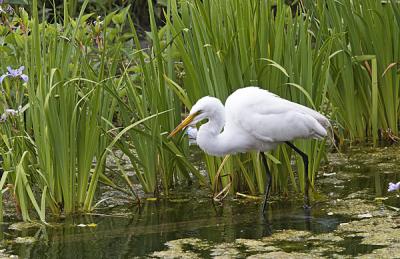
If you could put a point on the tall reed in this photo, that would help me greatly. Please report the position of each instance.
(366, 96)
(93, 88)
(158, 162)
(225, 45)
(62, 127)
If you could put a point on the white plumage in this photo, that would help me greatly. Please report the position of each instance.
(253, 119)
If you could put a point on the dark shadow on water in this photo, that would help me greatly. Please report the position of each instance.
(353, 246)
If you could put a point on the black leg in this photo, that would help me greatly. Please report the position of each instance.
(268, 183)
(306, 181)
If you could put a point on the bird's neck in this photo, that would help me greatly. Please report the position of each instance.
(211, 139)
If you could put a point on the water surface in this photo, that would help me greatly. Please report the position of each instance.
(189, 224)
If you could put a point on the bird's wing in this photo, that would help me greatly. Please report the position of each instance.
(281, 127)
(270, 118)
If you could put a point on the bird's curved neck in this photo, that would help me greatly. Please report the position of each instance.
(210, 138)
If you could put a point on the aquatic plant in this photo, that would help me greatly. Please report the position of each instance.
(58, 169)
(319, 56)
(365, 95)
(93, 78)
(49, 149)
(158, 162)
(226, 45)
(15, 73)
(9, 112)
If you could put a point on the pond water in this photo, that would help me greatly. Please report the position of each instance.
(346, 221)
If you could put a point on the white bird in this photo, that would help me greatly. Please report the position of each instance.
(254, 119)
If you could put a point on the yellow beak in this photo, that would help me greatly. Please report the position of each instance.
(183, 124)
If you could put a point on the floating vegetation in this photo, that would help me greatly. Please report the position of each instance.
(176, 248)
(370, 228)
(25, 240)
(20, 226)
(376, 235)
(347, 222)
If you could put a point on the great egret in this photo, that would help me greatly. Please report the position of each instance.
(254, 119)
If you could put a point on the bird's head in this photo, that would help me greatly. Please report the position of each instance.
(204, 108)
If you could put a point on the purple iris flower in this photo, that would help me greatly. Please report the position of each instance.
(394, 187)
(15, 73)
(192, 134)
(9, 112)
